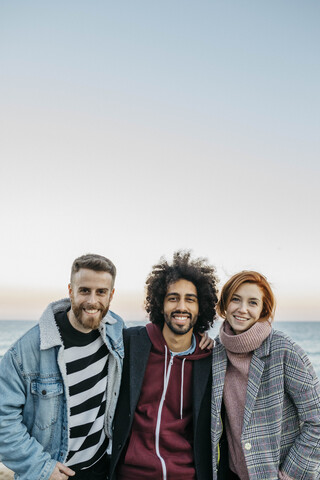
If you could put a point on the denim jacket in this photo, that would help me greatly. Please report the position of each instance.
(34, 395)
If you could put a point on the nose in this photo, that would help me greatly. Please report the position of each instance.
(182, 305)
(92, 298)
(242, 307)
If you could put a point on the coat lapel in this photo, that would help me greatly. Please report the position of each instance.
(219, 367)
(254, 380)
(140, 346)
(201, 372)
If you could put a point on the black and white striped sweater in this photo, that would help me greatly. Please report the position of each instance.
(86, 359)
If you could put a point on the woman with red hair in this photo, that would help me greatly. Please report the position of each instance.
(265, 393)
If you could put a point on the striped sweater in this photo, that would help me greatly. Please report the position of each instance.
(86, 359)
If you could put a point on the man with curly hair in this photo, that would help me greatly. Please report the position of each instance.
(162, 421)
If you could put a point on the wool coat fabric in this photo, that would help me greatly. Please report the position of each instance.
(281, 424)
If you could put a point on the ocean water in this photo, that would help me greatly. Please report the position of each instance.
(306, 334)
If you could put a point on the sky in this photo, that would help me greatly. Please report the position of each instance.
(135, 128)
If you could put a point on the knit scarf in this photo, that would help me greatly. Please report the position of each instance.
(247, 341)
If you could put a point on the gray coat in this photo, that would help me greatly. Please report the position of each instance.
(281, 424)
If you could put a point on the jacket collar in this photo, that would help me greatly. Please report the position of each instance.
(49, 332)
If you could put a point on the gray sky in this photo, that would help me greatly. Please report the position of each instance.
(135, 128)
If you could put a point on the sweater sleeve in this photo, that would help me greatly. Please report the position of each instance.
(302, 384)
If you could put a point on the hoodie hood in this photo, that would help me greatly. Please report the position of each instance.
(160, 347)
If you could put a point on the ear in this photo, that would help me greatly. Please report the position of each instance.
(111, 295)
(70, 289)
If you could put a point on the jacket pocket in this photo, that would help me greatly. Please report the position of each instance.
(47, 398)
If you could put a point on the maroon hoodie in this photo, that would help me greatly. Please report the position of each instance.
(161, 441)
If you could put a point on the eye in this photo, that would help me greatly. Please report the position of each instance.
(234, 299)
(172, 299)
(253, 302)
(102, 292)
(83, 290)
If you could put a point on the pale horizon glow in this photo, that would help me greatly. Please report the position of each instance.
(130, 305)
(135, 129)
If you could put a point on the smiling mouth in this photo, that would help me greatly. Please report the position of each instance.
(241, 319)
(91, 311)
(180, 318)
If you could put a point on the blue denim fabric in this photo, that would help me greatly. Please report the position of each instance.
(34, 397)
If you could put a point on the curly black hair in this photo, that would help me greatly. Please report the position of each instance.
(196, 271)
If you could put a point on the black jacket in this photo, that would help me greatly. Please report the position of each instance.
(137, 348)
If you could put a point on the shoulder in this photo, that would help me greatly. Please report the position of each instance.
(135, 331)
(218, 347)
(278, 336)
(282, 342)
(25, 352)
(30, 339)
(136, 343)
(295, 360)
(114, 327)
(114, 316)
(134, 337)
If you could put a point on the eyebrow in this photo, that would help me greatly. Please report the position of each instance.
(178, 294)
(90, 288)
(252, 298)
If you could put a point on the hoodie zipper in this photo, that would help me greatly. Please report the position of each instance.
(157, 436)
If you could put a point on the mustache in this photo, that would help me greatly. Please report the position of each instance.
(92, 306)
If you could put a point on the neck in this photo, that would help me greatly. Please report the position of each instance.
(175, 342)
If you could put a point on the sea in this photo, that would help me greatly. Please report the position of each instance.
(306, 334)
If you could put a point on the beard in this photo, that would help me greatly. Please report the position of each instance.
(85, 319)
(180, 329)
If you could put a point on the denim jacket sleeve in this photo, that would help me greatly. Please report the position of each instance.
(19, 451)
(303, 386)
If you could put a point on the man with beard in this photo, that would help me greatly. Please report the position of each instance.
(162, 420)
(59, 382)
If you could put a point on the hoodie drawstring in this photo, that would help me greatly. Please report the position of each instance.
(181, 391)
(167, 371)
(165, 365)
(165, 382)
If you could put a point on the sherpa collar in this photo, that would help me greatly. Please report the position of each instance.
(49, 332)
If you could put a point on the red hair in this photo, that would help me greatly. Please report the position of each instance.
(247, 276)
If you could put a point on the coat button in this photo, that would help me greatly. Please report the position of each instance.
(247, 446)
(44, 392)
